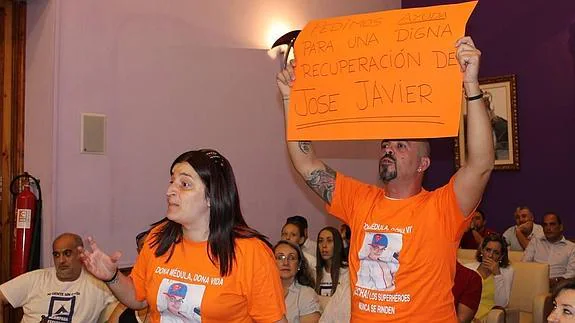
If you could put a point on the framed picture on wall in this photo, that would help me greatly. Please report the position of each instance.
(500, 97)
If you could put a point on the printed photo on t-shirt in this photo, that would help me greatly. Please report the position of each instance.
(179, 302)
(379, 260)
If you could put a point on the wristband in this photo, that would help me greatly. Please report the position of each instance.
(114, 278)
(475, 97)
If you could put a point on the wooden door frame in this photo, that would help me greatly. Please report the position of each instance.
(13, 58)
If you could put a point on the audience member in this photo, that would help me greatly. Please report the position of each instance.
(553, 249)
(422, 226)
(473, 237)
(466, 293)
(64, 293)
(308, 245)
(202, 261)
(497, 275)
(525, 229)
(563, 303)
(331, 268)
(302, 304)
(294, 231)
(123, 314)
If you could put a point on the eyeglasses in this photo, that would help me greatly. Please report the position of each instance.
(290, 258)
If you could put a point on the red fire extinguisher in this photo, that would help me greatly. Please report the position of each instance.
(25, 208)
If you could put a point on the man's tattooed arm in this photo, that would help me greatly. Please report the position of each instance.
(305, 147)
(322, 181)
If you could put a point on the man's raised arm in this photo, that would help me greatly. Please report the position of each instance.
(317, 175)
(471, 179)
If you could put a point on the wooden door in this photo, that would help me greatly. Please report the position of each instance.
(12, 58)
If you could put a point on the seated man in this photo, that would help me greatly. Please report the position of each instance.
(466, 293)
(65, 293)
(473, 237)
(518, 236)
(553, 249)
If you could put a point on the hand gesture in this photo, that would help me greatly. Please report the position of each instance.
(526, 227)
(468, 58)
(491, 265)
(97, 262)
(285, 79)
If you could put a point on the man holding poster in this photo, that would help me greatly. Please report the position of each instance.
(425, 226)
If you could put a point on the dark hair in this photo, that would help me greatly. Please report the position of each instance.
(297, 219)
(337, 261)
(504, 261)
(347, 231)
(302, 276)
(299, 226)
(141, 235)
(556, 216)
(226, 221)
(564, 284)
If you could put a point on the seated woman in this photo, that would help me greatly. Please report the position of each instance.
(563, 303)
(301, 302)
(497, 275)
(331, 267)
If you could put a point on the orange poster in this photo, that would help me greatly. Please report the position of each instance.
(389, 74)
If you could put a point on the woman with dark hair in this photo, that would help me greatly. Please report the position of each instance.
(302, 304)
(331, 267)
(563, 303)
(497, 275)
(201, 262)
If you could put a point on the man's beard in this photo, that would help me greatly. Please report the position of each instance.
(386, 175)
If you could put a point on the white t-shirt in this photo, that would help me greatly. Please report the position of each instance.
(338, 309)
(41, 294)
(512, 240)
(326, 284)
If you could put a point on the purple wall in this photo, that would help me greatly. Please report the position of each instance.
(532, 40)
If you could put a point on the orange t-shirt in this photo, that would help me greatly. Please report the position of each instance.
(190, 286)
(402, 253)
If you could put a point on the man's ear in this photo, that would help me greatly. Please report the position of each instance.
(424, 164)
